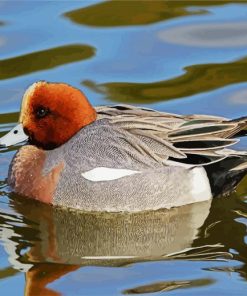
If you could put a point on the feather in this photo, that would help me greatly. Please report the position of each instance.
(195, 139)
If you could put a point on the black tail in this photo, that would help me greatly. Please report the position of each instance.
(223, 179)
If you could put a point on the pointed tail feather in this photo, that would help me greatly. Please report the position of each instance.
(224, 176)
(241, 129)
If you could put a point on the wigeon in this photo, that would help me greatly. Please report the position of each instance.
(121, 157)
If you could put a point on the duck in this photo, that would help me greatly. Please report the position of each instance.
(119, 158)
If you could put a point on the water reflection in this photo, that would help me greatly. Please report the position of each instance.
(44, 59)
(38, 236)
(207, 35)
(231, 228)
(72, 237)
(9, 118)
(239, 97)
(166, 286)
(128, 13)
(48, 242)
(195, 80)
(133, 13)
(2, 40)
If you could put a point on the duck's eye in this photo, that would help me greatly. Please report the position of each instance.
(41, 112)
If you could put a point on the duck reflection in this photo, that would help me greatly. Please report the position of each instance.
(227, 224)
(75, 237)
(48, 242)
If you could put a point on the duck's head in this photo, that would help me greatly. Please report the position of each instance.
(51, 113)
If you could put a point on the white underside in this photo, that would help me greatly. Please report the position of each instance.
(100, 174)
(201, 189)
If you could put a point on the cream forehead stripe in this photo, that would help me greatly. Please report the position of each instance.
(107, 174)
(28, 93)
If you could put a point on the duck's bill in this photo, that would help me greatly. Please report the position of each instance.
(15, 136)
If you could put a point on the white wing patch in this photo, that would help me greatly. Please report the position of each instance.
(107, 174)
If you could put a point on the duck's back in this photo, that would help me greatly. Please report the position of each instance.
(103, 170)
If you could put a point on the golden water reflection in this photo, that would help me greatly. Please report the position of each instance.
(9, 117)
(196, 79)
(44, 59)
(133, 13)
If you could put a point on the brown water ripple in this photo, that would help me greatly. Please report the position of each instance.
(133, 13)
(196, 79)
(44, 59)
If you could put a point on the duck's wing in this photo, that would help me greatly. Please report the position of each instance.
(193, 139)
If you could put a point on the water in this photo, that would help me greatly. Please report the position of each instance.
(177, 56)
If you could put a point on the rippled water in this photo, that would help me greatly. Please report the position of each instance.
(177, 56)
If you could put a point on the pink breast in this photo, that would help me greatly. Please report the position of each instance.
(26, 177)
